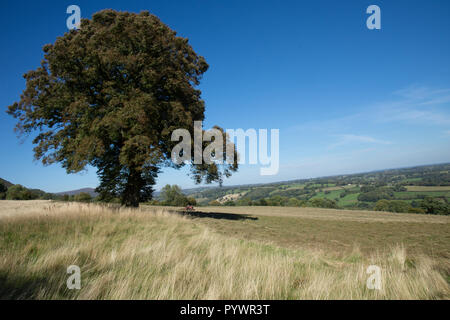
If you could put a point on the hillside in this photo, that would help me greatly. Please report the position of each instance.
(90, 191)
(40, 193)
(6, 183)
(399, 190)
(19, 192)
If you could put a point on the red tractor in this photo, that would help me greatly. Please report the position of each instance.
(189, 208)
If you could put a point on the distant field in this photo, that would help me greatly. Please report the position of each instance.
(412, 179)
(408, 195)
(371, 186)
(219, 253)
(348, 200)
(338, 188)
(331, 195)
(427, 189)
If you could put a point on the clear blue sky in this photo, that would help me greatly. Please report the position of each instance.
(345, 98)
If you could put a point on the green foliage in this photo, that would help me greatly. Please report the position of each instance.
(18, 192)
(375, 195)
(110, 95)
(83, 197)
(322, 203)
(173, 196)
(399, 188)
(433, 206)
(3, 190)
(277, 201)
(428, 205)
(415, 210)
(262, 202)
(241, 202)
(293, 202)
(381, 190)
(291, 193)
(258, 193)
(214, 203)
(393, 206)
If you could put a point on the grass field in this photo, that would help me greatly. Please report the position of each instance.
(348, 200)
(334, 194)
(408, 195)
(333, 188)
(336, 232)
(428, 188)
(219, 253)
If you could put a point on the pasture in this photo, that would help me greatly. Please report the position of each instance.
(219, 253)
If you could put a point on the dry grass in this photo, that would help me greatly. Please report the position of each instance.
(333, 231)
(18, 208)
(153, 254)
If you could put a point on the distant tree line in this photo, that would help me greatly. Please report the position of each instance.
(428, 205)
(80, 197)
(172, 195)
(19, 192)
(278, 201)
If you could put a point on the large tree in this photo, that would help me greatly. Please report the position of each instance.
(109, 95)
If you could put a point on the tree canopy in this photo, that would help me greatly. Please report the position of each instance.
(109, 95)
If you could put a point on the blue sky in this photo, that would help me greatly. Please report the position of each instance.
(345, 99)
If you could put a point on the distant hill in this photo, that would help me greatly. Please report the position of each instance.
(6, 183)
(90, 191)
(406, 187)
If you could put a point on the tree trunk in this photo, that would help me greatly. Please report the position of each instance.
(131, 194)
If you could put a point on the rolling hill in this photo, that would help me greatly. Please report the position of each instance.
(90, 191)
(6, 183)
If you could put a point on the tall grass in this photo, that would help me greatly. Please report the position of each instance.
(155, 254)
